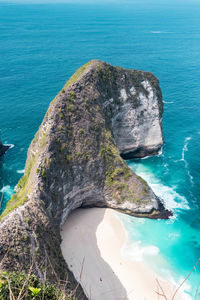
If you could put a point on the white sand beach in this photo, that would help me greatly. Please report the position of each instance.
(92, 243)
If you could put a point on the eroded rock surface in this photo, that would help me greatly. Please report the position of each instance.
(102, 114)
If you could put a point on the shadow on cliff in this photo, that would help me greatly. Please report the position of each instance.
(80, 250)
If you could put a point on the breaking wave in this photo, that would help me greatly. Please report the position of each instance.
(21, 171)
(7, 192)
(172, 199)
(160, 32)
(184, 150)
(136, 252)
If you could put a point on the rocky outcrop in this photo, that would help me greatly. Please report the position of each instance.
(137, 124)
(102, 115)
(3, 148)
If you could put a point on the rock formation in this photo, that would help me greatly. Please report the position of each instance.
(102, 115)
(3, 148)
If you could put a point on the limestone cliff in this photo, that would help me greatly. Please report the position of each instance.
(102, 115)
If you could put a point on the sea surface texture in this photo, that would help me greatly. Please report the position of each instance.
(40, 48)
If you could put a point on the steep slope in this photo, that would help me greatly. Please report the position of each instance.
(102, 115)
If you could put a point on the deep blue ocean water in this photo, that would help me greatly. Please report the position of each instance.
(40, 48)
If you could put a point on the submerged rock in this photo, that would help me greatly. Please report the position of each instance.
(102, 115)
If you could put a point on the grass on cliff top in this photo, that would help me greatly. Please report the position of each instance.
(22, 286)
(78, 73)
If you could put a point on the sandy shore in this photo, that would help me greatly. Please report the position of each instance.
(92, 243)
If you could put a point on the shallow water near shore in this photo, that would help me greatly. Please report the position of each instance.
(40, 48)
(170, 247)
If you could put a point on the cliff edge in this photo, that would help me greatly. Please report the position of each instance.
(103, 115)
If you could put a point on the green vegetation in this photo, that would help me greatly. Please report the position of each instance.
(119, 180)
(43, 173)
(105, 74)
(107, 150)
(93, 137)
(60, 113)
(70, 107)
(98, 68)
(78, 73)
(73, 95)
(124, 172)
(80, 156)
(20, 197)
(22, 286)
(81, 132)
(68, 158)
(24, 185)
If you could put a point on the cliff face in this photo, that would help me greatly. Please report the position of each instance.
(136, 123)
(102, 114)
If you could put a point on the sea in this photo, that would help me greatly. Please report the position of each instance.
(41, 46)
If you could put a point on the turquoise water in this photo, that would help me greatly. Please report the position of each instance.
(40, 48)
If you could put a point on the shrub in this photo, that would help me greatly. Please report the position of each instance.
(19, 285)
(73, 95)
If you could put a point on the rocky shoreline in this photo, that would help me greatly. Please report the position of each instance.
(3, 148)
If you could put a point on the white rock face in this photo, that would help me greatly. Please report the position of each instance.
(137, 127)
(124, 96)
(132, 90)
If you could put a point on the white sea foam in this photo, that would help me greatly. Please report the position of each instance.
(156, 32)
(160, 32)
(184, 150)
(171, 198)
(185, 147)
(160, 152)
(7, 190)
(173, 235)
(10, 145)
(146, 157)
(149, 253)
(136, 252)
(21, 171)
(166, 165)
(185, 288)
